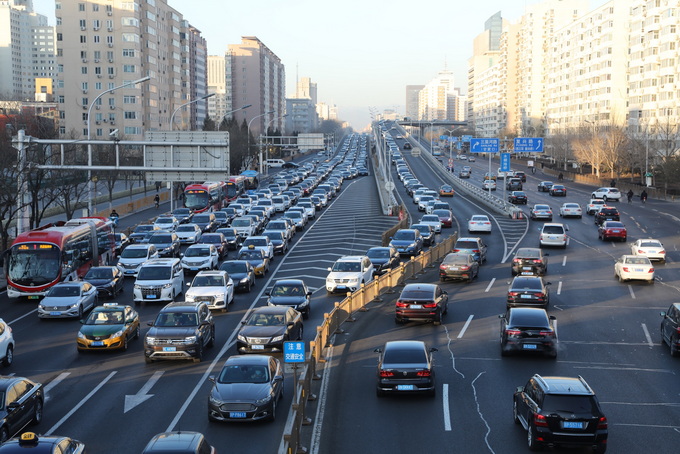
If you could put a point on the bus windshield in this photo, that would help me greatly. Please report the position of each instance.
(34, 264)
(196, 200)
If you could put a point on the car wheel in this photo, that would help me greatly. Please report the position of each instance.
(272, 416)
(199, 352)
(37, 412)
(137, 332)
(147, 359)
(124, 347)
(552, 354)
(4, 435)
(9, 356)
(80, 312)
(674, 348)
(211, 342)
(515, 415)
(621, 279)
(600, 448)
(301, 333)
(531, 440)
(305, 314)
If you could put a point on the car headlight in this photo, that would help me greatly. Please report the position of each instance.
(74, 306)
(412, 245)
(304, 303)
(264, 400)
(353, 280)
(41, 307)
(137, 287)
(189, 298)
(81, 335)
(190, 340)
(150, 340)
(241, 337)
(214, 401)
(118, 333)
(244, 280)
(277, 338)
(168, 285)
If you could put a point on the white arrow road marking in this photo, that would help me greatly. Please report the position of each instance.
(131, 401)
(647, 336)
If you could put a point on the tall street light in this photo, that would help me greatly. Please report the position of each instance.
(172, 117)
(217, 124)
(267, 129)
(249, 123)
(597, 148)
(89, 146)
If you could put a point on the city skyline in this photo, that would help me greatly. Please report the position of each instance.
(361, 55)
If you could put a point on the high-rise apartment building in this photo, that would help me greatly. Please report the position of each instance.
(306, 89)
(437, 100)
(103, 46)
(217, 84)
(195, 72)
(28, 51)
(412, 92)
(256, 76)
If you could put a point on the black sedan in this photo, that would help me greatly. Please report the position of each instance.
(558, 190)
(528, 329)
(267, 328)
(518, 197)
(122, 241)
(422, 302)
(544, 186)
(528, 291)
(22, 404)
(232, 237)
(291, 293)
(458, 267)
(427, 232)
(405, 367)
(246, 389)
(241, 272)
(383, 259)
(529, 261)
(607, 214)
(109, 280)
(218, 240)
(183, 215)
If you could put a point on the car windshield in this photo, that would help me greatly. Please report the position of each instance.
(529, 319)
(201, 219)
(650, 244)
(241, 222)
(424, 229)
(614, 224)
(570, 205)
(144, 228)
(466, 245)
(569, 403)
(441, 213)
(378, 253)
(166, 319)
(105, 318)
(61, 291)
(637, 260)
(456, 259)
(250, 255)
(480, 218)
(541, 207)
(405, 234)
(99, 273)
(134, 253)
(208, 281)
(182, 211)
(266, 320)
(430, 218)
(255, 242)
(353, 267)
(186, 228)
(416, 294)
(160, 239)
(553, 229)
(154, 273)
(211, 238)
(233, 267)
(197, 252)
(244, 374)
(524, 283)
(164, 221)
(407, 356)
(287, 290)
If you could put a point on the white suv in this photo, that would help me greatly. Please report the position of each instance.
(215, 288)
(159, 280)
(606, 194)
(134, 256)
(6, 344)
(348, 273)
(553, 235)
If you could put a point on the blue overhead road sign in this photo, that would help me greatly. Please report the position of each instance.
(528, 145)
(466, 138)
(484, 145)
(505, 162)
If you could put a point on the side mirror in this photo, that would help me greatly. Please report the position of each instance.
(149, 324)
(501, 315)
(552, 317)
(378, 350)
(519, 389)
(309, 293)
(663, 314)
(211, 378)
(268, 293)
(548, 283)
(433, 349)
(181, 255)
(566, 227)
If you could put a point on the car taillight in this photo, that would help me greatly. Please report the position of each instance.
(540, 420)
(513, 332)
(443, 267)
(540, 295)
(640, 251)
(475, 251)
(540, 237)
(400, 304)
(424, 373)
(517, 260)
(430, 305)
(456, 250)
(662, 251)
(386, 373)
(536, 261)
(625, 268)
(602, 423)
(464, 268)
(513, 293)
(547, 333)
(651, 270)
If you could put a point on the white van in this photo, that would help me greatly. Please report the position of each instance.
(274, 162)
(553, 235)
(159, 280)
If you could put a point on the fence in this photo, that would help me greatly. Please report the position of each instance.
(332, 323)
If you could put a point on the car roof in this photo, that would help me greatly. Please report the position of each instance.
(533, 251)
(531, 315)
(405, 345)
(565, 385)
(172, 441)
(177, 306)
(351, 258)
(525, 280)
(289, 282)
(248, 360)
(420, 286)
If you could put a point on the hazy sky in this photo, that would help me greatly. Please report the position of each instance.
(360, 53)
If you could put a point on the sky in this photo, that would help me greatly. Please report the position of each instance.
(360, 53)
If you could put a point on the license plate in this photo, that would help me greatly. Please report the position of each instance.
(55, 313)
(526, 268)
(237, 414)
(416, 306)
(572, 425)
(257, 347)
(98, 343)
(34, 297)
(150, 297)
(454, 268)
(526, 297)
(527, 273)
(404, 387)
(194, 268)
(129, 271)
(529, 346)
(639, 270)
(169, 349)
(616, 231)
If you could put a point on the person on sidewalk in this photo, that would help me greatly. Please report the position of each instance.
(156, 200)
(630, 194)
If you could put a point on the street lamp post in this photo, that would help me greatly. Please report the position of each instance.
(172, 117)
(266, 129)
(249, 123)
(217, 124)
(89, 135)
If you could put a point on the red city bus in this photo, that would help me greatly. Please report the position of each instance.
(201, 197)
(62, 251)
(235, 187)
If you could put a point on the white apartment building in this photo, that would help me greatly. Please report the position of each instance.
(437, 100)
(588, 70)
(217, 84)
(412, 100)
(103, 46)
(28, 50)
(195, 70)
(256, 76)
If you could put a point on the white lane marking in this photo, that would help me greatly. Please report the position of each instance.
(48, 387)
(639, 369)
(488, 287)
(448, 346)
(465, 327)
(23, 316)
(447, 413)
(630, 289)
(322, 398)
(481, 416)
(132, 400)
(645, 404)
(564, 260)
(649, 338)
(559, 287)
(80, 404)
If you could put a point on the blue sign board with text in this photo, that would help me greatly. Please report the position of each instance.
(467, 138)
(528, 145)
(294, 352)
(505, 162)
(483, 145)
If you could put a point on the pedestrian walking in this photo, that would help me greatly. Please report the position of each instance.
(156, 200)
(630, 195)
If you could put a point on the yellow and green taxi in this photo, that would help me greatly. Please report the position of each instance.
(446, 190)
(257, 259)
(108, 327)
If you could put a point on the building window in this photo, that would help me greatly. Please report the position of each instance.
(98, 70)
(128, 52)
(98, 86)
(60, 100)
(83, 54)
(62, 115)
(59, 37)
(83, 70)
(96, 38)
(62, 130)
(83, 23)
(111, 71)
(127, 99)
(133, 130)
(95, 7)
(112, 102)
(109, 40)
(129, 68)
(84, 85)
(85, 102)
(130, 115)
(81, 6)
(83, 39)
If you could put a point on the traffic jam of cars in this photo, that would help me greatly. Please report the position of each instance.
(194, 267)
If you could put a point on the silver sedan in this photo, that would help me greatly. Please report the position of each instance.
(68, 300)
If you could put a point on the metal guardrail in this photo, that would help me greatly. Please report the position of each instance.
(332, 324)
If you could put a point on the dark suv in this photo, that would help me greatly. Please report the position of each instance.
(181, 330)
(607, 214)
(529, 261)
(670, 328)
(167, 243)
(514, 184)
(528, 329)
(560, 411)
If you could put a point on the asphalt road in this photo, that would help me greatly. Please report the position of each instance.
(608, 333)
